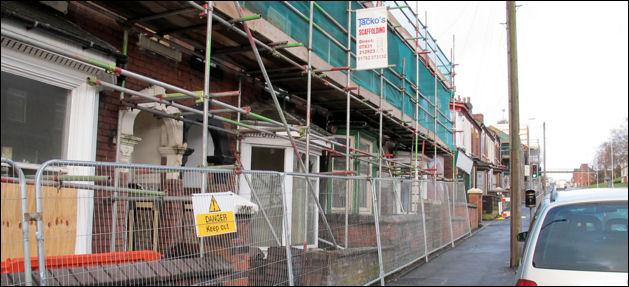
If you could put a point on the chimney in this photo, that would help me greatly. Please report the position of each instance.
(478, 118)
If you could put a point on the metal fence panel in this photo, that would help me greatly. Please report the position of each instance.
(401, 224)
(460, 216)
(132, 224)
(16, 237)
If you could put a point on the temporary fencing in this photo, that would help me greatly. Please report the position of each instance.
(132, 224)
(14, 220)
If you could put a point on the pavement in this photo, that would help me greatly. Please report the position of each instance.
(479, 260)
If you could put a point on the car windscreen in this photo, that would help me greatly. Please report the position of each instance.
(586, 237)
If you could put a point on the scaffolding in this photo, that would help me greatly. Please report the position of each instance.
(132, 99)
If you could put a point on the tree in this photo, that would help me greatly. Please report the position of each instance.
(619, 138)
(602, 158)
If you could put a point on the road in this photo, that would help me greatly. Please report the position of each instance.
(482, 259)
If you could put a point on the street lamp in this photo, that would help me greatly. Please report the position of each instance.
(612, 155)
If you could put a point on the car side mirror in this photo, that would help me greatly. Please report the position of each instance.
(522, 236)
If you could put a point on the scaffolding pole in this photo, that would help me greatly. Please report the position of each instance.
(416, 96)
(380, 140)
(308, 119)
(347, 124)
(421, 196)
(206, 92)
(114, 207)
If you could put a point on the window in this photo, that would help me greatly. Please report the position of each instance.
(338, 186)
(265, 158)
(586, 237)
(34, 120)
(71, 114)
(363, 190)
(360, 190)
(304, 209)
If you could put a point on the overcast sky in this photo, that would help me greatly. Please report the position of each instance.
(572, 59)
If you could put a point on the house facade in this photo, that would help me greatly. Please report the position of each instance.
(59, 102)
(583, 176)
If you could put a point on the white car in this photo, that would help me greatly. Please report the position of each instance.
(578, 237)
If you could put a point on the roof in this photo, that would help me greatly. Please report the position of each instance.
(590, 195)
(51, 20)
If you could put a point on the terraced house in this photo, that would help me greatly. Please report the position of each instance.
(226, 143)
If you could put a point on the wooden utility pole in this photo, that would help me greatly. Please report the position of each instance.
(514, 131)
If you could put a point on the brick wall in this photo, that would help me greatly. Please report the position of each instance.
(473, 216)
(477, 200)
(154, 66)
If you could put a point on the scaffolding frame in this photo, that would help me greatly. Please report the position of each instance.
(207, 98)
(320, 74)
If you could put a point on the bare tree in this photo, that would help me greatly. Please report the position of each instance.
(602, 158)
(619, 138)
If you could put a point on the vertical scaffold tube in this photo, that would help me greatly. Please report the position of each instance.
(421, 196)
(416, 93)
(114, 204)
(347, 125)
(380, 153)
(434, 139)
(308, 120)
(206, 96)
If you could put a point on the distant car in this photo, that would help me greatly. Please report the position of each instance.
(577, 237)
(562, 184)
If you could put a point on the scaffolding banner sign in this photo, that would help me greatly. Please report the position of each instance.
(213, 213)
(371, 38)
(464, 162)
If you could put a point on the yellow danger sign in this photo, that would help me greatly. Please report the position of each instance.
(214, 213)
(216, 223)
(214, 206)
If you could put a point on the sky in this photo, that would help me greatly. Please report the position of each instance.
(572, 68)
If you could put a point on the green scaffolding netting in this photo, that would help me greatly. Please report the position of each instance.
(295, 24)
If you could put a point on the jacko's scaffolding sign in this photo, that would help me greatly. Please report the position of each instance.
(371, 38)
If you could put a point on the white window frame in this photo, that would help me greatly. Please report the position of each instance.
(352, 188)
(82, 112)
(369, 201)
(334, 209)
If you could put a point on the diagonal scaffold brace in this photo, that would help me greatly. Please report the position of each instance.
(283, 118)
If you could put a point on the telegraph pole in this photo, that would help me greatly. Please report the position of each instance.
(514, 131)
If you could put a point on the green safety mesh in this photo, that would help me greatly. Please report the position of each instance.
(296, 26)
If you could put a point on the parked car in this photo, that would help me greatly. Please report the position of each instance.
(578, 237)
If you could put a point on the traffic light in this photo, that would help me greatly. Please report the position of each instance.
(534, 172)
